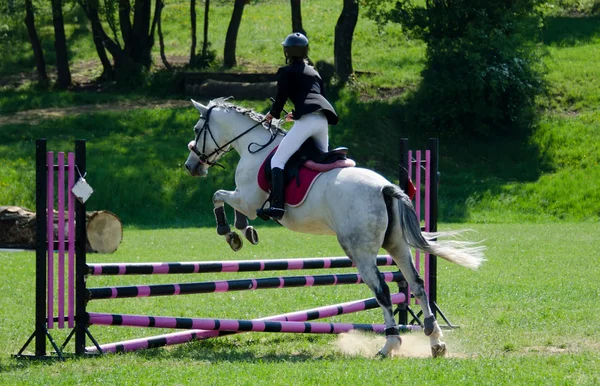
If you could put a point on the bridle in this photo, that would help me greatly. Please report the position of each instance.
(205, 132)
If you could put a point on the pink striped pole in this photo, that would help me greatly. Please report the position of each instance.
(427, 211)
(418, 204)
(50, 235)
(297, 316)
(71, 237)
(61, 239)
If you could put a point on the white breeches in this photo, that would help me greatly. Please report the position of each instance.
(310, 125)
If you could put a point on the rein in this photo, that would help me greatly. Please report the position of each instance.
(222, 149)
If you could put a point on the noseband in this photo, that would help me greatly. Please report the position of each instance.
(205, 132)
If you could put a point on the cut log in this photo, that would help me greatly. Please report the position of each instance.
(17, 229)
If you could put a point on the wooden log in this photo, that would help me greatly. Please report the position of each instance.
(17, 229)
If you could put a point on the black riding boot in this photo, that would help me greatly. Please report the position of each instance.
(276, 210)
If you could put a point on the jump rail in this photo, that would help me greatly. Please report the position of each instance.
(65, 305)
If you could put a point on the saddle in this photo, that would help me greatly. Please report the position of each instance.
(303, 168)
(308, 152)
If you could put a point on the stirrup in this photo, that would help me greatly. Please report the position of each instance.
(271, 213)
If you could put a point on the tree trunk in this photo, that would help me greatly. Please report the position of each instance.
(344, 30)
(205, 34)
(161, 40)
(193, 21)
(91, 10)
(38, 52)
(125, 21)
(140, 43)
(232, 32)
(297, 16)
(18, 229)
(60, 45)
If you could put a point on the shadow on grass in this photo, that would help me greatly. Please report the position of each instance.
(135, 160)
(571, 31)
(219, 350)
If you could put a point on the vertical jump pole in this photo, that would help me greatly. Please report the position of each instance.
(403, 182)
(433, 147)
(80, 251)
(41, 181)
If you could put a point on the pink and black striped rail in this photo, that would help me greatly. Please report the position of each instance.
(227, 266)
(229, 324)
(138, 291)
(297, 316)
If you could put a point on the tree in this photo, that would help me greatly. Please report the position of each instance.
(60, 46)
(342, 47)
(205, 57)
(160, 4)
(138, 37)
(297, 16)
(232, 32)
(91, 10)
(205, 34)
(38, 52)
(193, 28)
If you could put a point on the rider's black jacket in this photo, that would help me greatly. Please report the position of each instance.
(303, 85)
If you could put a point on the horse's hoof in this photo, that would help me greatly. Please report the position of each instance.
(251, 235)
(439, 350)
(235, 241)
(380, 354)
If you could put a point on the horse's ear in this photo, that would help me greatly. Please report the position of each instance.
(201, 108)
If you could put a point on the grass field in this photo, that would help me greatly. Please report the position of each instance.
(528, 316)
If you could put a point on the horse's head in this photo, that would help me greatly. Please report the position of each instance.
(208, 144)
(222, 126)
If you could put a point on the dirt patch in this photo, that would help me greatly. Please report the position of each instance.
(35, 116)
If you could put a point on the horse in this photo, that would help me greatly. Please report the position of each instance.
(360, 207)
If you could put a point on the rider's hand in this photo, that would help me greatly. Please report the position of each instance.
(289, 117)
(268, 117)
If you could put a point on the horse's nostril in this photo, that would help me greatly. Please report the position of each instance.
(187, 167)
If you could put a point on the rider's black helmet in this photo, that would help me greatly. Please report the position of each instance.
(295, 46)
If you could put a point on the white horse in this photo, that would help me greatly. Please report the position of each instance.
(360, 207)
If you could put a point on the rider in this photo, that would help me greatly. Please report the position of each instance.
(302, 84)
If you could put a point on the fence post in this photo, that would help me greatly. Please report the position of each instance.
(41, 186)
(80, 253)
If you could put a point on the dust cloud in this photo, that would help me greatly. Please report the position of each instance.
(357, 343)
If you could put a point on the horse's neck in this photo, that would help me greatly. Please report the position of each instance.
(247, 145)
(251, 159)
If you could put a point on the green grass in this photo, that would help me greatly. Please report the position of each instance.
(528, 316)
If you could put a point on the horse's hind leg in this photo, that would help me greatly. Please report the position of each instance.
(367, 268)
(371, 276)
(400, 252)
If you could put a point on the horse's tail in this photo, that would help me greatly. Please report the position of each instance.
(466, 253)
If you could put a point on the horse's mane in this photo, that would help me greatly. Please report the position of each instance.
(223, 102)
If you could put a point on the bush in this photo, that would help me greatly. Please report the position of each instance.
(483, 68)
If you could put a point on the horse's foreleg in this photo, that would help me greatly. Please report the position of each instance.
(404, 261)
(223, 228)
(241, 223)
(371, 276)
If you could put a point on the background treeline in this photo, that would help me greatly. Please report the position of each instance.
(482, 70)
(511, 89)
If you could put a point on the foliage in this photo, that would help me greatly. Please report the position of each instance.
(482, 72)
(203, 61)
